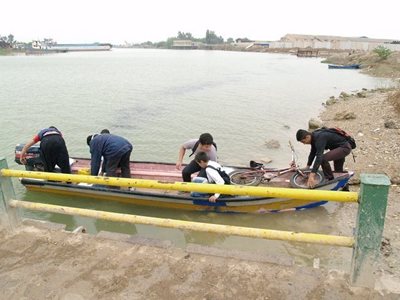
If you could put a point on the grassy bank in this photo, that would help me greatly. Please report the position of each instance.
(8, 51)
(5, 51)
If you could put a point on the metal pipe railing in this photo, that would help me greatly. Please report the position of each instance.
(196, 226)
(300, 194)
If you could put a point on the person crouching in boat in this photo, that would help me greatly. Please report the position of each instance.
(319, 141)
(208, 174)
(205, 143)
(116, 151)
(53, 150)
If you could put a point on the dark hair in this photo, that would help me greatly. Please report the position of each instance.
(301, 134)
(54, 127)
(90, 138)
(206, 139)
(104, 131)
(201, 156)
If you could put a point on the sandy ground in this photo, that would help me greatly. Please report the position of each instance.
(38, 263)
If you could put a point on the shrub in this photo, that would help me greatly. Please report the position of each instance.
(382, 52)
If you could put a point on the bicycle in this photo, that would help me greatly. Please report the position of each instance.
(259, 174)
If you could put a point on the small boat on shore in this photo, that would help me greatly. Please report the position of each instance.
(167, 172)
(353, 66)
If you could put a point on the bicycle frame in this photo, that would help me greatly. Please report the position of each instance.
(295, 165)
(262, 174)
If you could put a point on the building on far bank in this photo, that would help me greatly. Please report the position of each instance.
(333, 42)
(262, 44)
(185, 44)
(247, 44)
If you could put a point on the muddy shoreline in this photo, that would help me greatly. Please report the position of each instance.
(375, 124)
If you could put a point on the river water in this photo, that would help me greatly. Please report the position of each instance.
(158, 99)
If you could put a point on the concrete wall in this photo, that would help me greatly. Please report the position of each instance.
(335, 45)
(332, 42)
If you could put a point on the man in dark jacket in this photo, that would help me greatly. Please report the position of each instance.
(320, 140)
(116, 152)
(53, 150)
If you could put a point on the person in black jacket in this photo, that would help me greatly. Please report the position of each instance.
(320, 140)
(53, 150)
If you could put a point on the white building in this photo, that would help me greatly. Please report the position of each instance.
(185, 44)
(333, 42)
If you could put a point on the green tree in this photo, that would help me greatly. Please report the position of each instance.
(162, 44)
(4, 42)
(185, 36)
(230, 40)
(10, 39)
(212, 38)
(169, 42)
(382, 52)
(147, 44)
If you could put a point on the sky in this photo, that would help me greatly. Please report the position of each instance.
(119, 21)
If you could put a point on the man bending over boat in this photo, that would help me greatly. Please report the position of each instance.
(320, 140)
(209, 173)
(116, 151)
(53, 150)
(204, 144)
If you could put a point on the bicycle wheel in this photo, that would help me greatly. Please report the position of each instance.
(246, 177)
(300, 181)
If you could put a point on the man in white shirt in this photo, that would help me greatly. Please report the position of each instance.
(209, 171)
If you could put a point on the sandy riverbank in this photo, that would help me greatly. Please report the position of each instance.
(372, 119)
(376, 128)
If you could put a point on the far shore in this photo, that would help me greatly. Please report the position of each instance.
(370, 62)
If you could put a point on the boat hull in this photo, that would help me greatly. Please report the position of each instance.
(167, 172)
(174, 200)
(354, 66)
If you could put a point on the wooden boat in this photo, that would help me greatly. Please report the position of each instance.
(353, 66)
(166, 172)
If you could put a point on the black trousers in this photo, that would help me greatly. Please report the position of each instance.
(191, 168)
(113, 163)
(338, 156)
(53, 151)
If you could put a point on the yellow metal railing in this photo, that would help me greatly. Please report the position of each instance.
(301, 194)
(197, 226)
